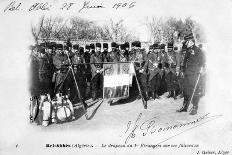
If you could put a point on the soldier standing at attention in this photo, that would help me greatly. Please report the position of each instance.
(170, 73)
(79, 72)
(97, 76)
(45, 71)
(193, 65)
(114, 54)
(61, 76)
(105, 54)
(154, 70)
(140, 57)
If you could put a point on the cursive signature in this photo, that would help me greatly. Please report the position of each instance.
(87, 5)
(149, 126)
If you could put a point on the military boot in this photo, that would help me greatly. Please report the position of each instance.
(184, 108)
(193, 111)
(156, 95)
(169, 94)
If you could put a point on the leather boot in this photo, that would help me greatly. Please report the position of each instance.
(184, 108)
(169, 94)
(193, 111)
(156, 95)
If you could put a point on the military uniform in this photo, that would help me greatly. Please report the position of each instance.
(180, 71)
(114, 55)
(124, 54)
(97, 76)
(140, 56)
(45, 72)
(61, 77)
(105, 53)
(79, 72)
(170, 71)
(194, 61)
(154, 71)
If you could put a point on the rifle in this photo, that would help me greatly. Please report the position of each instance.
(144, 102)
(78, 91)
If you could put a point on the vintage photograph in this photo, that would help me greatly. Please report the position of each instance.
(116, 77)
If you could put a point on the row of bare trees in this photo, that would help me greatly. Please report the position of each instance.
(57, 28)
(162, 30)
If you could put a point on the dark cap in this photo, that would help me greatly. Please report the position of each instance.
(156, 46)
(92, 46)
(113, 44)
(162, 46)
(98, 45)
(122, 46)
(105, 45)
(127, 45)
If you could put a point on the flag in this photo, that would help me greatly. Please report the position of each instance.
(117, 80)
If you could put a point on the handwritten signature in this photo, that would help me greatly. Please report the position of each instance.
(148, 127)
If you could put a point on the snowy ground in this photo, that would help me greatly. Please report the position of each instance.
(112, 125)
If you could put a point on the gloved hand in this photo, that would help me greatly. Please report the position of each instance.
(141, 70)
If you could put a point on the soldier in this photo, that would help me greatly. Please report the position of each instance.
(127, 48)
(97, 77)
(61, 77)
(88, 74)
(163, 58)
(194, 61)
(79, 72)
(92, 48)
(123, 57)
(105, 54)
(154, 70)
(139, 56)
(45, 71)
(180, 73)
(114, 54)
(170, 72)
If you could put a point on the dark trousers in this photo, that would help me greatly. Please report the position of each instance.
(171, 81)
(154, 83)
(45, 85)
(81, 83)
(142, 80)
(97, 86)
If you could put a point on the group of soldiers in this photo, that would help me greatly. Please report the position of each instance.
(78, 72)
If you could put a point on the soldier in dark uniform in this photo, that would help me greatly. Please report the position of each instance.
(79, 72)
(88, 74)
(92, 48)
(114, 53)
(170, 72)
(45, 71)
(123, 57)
(97, 76)
(127, 48)
(34, 71)
(105, 53)
(154, 71)
(61, 77)
(194, 61)
(139, 55)
(162, 55)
